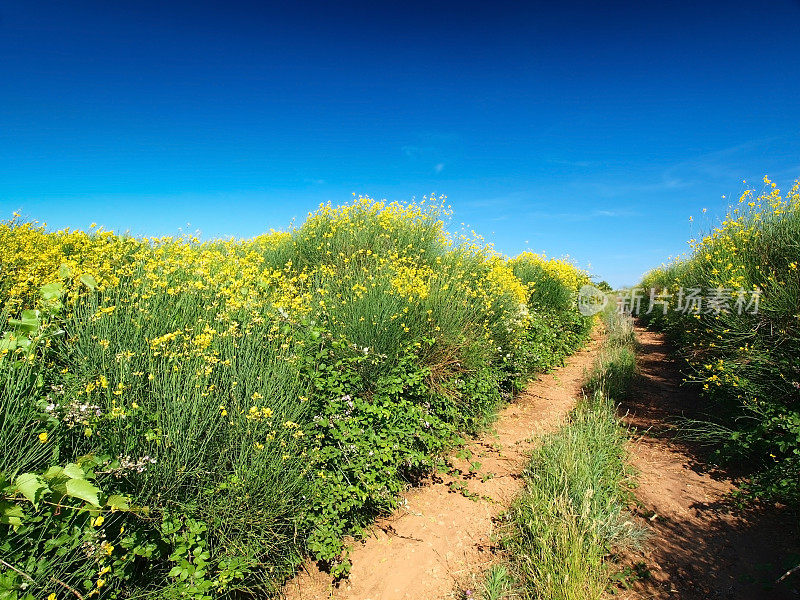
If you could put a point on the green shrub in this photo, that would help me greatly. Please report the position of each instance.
(235, 406)
(745, 364)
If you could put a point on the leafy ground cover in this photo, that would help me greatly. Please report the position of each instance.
(186, 419)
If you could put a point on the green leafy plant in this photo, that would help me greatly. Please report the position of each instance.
(187, 419)
(743, 358)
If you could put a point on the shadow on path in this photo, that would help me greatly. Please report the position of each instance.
(701, 546)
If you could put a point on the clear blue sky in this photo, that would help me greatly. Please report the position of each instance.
(593, 129)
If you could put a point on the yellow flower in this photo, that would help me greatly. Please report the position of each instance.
(43, 437)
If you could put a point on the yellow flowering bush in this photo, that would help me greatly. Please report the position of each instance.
(235, 405)
(742, 354)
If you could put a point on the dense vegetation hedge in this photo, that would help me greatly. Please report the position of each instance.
(187, 419)
(748, 364)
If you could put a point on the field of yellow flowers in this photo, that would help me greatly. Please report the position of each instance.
(187, 419)
(746, 363)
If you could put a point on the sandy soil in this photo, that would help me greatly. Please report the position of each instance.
(439, 540)
(701, 546)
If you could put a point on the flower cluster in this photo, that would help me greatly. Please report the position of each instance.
(738, 324)
(252, 395)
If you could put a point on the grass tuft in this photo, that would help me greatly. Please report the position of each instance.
(572, 513)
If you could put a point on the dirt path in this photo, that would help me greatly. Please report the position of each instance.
(440, 538)
(701, 547)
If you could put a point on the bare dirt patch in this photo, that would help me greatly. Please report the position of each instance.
(701, 545)
(442, 535)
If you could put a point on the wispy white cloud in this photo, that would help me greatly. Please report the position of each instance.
(736, 162)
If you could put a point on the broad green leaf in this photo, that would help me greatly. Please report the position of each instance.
(54, 473)
(59, 486)
(8, 342)
(11, 514)
(52, 291)
(30, 315)
(117, 502)
(73, 471)
(31, 486)
(65, 271)
(27, 323)
(88, 280)
(82, 489)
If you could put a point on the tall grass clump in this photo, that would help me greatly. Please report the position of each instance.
(571, 514)
(615, 365)
(743, 357)
(187, 419)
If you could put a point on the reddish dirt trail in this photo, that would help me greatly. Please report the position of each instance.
(439, 539)
(701, 547)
